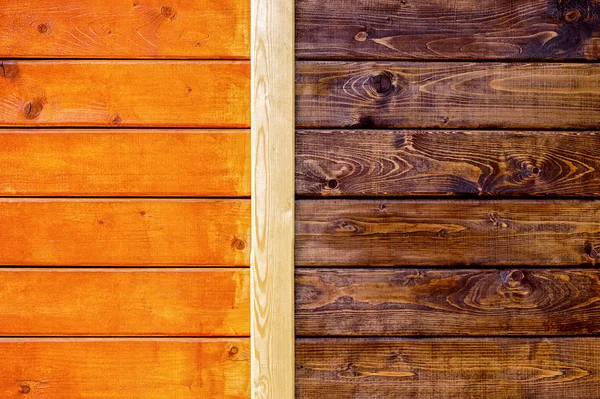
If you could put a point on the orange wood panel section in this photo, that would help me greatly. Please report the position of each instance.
(57, 232)
(125, 162)
(124, 302)
(125, 93)
(118, 368)
(125, 29)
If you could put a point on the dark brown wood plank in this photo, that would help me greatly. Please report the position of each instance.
(164, 368)
(412, 162)
(413, 302)
(447, 95)
(447, 233)
(503, 368)
(440, 29)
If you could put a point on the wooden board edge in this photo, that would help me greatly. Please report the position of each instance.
(272, 255)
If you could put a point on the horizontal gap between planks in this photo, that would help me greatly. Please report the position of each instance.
(440, 129)
(117, 128)
(372, 338)
(121, 337)
(96, 197)
(412, 198)
(454, 60)
(151, 59)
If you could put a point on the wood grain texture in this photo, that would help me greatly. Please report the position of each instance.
(136, 368)
(125, 29)
(124, 302)
(77, 232)
(447, 233)
(125, 163)
(418, 302)
(412, 162)
(125, 93)
(272, 259)
(438, 29)
(447, 95)
(448, 368)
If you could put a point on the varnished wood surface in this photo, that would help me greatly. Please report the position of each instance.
(503, 368)
(125, 162)
(438, 29)
(422, 302)
(124, 302)
(125, 93)
(111, 232)
(132, 368)
(272, 258)
(447, 232)
(125, 29)
(447, 95)
(414, 162)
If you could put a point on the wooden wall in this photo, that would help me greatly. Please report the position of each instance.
(125, 199)
(447, 214)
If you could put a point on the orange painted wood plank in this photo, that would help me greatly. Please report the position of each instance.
(124, 302)
(119, 368)
(125, 93)
(126, 29)
(125, 162)
(50, 232)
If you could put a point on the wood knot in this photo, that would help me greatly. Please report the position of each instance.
(33, 109)
(345, 226)
(515, 282)
(572, 16)
(167, 12)
(497, 221)
(25, 389)
(591, 251)
(116, 120)
(238, 244)
(361, 36)
(332, 184)
(234, 350)
(382, 83)
(9, 69)
(43, 28)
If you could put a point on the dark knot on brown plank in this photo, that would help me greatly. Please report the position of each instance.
(382, 83)
(25, 389)
(238, 244)
(33, 109)
(167, 12)
(43, 28)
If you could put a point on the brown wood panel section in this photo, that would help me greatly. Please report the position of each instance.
(507, 368)
(447, 302)
(125, 93)
(411, 162)
(125, 302)
(125, 29)
(135, 368)
(447, 95)
(111, 232)
(125, 162)
(439, 29)
(447, 233)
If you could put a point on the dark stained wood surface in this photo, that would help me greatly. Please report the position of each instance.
(447, 95)
(124, 302)
(127, 232)
(440, 29)
(164, 368)
(417, 302)
(411, 162)
(447, 232)
(205, 94)
(450, 368)
(125, 29)
(124, 162)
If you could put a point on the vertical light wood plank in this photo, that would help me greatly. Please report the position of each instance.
(272, 259)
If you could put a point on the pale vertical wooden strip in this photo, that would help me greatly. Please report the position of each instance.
(272, 259)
